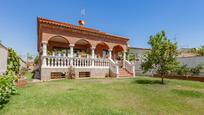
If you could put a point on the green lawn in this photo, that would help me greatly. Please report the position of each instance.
(141, 95)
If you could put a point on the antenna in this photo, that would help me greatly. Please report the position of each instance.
(83, 12)
(82, 22)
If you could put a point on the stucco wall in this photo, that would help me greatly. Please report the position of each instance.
(3, 59)
(192, 62)
(95, 72)
(22, 64)
(189, 61)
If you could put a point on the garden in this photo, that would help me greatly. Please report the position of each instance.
(140, 95)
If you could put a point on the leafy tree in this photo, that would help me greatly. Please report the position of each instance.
(29, 56)
(36, 59)
(162, 56)
(13, 61)
(200, 51)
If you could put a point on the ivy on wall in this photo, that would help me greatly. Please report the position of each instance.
(13, 62)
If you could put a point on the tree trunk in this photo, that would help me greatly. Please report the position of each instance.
(162, 79)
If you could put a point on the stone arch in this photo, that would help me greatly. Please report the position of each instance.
(82, 47)
(117, 50)
(57, 42)
(102, 50)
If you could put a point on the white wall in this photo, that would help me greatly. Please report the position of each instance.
(192, 62)
(3, 59)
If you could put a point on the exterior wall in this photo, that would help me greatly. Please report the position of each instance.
(192, 62)
(139, 52)
(3, 59)
(95, 72)
(22, 64)
(189, 61)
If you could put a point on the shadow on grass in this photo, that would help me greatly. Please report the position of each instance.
(146, 81)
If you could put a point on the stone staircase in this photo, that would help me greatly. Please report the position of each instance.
(124, 73)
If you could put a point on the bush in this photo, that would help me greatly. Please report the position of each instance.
(7, 88)
(196, 70)
(187, 71)
(182, 70)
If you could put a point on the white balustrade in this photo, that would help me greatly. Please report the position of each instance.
(130, 67)
(114, 67)
(64, 62)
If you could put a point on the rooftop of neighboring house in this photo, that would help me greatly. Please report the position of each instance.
(186, 52)
(136, 48)
(3, 46)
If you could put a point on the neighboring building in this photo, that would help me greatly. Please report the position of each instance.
(90, 52)
(30, 64)
(3, 58)
(186, 52)
(138, 52)
(22, 63)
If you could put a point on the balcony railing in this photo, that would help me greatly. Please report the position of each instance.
(65, 62)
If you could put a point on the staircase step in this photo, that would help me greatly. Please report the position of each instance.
(124, 73)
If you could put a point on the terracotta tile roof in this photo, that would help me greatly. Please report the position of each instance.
(66, 25)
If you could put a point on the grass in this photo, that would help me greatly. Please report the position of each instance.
(28, 75)
(141, 95)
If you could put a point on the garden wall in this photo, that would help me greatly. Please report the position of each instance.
(189, 61)
(192, 62)
(3, 59)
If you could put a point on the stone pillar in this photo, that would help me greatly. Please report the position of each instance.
(92, 55)
(124, 58)
(110, 53)
(93, 52)
(133, 70)
(44, 43)
(44, 53)
(71, 46)
(117, 70)
(71, 52)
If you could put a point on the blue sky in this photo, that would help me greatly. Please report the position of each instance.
(183, 20)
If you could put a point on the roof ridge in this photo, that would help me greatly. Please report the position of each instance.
(44, 20)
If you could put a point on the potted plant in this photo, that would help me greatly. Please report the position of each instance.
(63, 52)
(71, 72)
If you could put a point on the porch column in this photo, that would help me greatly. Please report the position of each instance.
(71, 53)
(44, 43)
(93, 55)
(110, 53)
(124, 58)
(44, 53)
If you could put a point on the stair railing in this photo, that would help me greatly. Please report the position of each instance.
(130, 67)
(114, 68)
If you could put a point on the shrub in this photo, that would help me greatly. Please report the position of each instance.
(182, 70)
(7, 88)
(196, 70)
(187, 71)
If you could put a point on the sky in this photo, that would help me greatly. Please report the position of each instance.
(183, 20)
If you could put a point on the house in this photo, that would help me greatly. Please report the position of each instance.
(23, 64)
(3, 58)
(90, 52)
(138, 52)
(187, 52)
(30, 64)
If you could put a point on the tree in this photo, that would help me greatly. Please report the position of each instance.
(200, 51)
(36, 60)
(161, 57)
(13, 65)
(29, 56)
